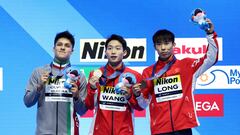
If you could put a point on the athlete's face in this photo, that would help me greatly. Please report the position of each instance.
(115, 52)
(164, 49)
(63, 49)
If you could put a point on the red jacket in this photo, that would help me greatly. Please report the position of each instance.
(176, 109)
(108, 121)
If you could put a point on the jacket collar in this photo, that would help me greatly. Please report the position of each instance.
(166, 61)
(118, 68)
(60, 65)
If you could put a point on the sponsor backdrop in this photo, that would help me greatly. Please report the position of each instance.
(27, 30)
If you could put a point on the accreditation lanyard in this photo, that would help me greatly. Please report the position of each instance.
(61, 73)
(105, 77)
(163, 70)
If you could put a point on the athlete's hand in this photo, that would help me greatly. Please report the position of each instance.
(75, 90)
(126, 90)
(211, 29)
(44, 76)
(93, 82)
(136, 89)
(43, 79)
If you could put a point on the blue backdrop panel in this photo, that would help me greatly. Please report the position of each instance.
(28, 28)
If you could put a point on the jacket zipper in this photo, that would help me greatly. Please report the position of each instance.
(113, 116)
(112, 121)
(170, 105)
(57, 109)
(57, 119)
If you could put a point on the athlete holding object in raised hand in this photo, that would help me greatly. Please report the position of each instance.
(169, 85)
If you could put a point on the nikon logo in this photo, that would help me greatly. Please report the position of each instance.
(93, 50)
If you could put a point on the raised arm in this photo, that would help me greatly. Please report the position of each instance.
(211, 56)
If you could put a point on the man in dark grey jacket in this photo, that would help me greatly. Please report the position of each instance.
(58, 105)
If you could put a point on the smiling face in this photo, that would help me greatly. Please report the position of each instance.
(115, 53)
(63, 49)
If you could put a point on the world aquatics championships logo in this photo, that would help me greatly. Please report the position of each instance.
(220, 77)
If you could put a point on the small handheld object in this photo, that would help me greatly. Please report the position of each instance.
(124, 82)
(71, 76)
(199, 17)
(118, 87)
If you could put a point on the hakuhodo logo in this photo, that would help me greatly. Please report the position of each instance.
(93, 50)
(193, 48)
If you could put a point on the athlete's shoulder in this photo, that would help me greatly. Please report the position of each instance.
(133, 70)
(149, 68)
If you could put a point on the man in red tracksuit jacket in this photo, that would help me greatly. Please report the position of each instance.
(169, 85)
(109, 92)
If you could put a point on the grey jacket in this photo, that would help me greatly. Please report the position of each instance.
(55, 118)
